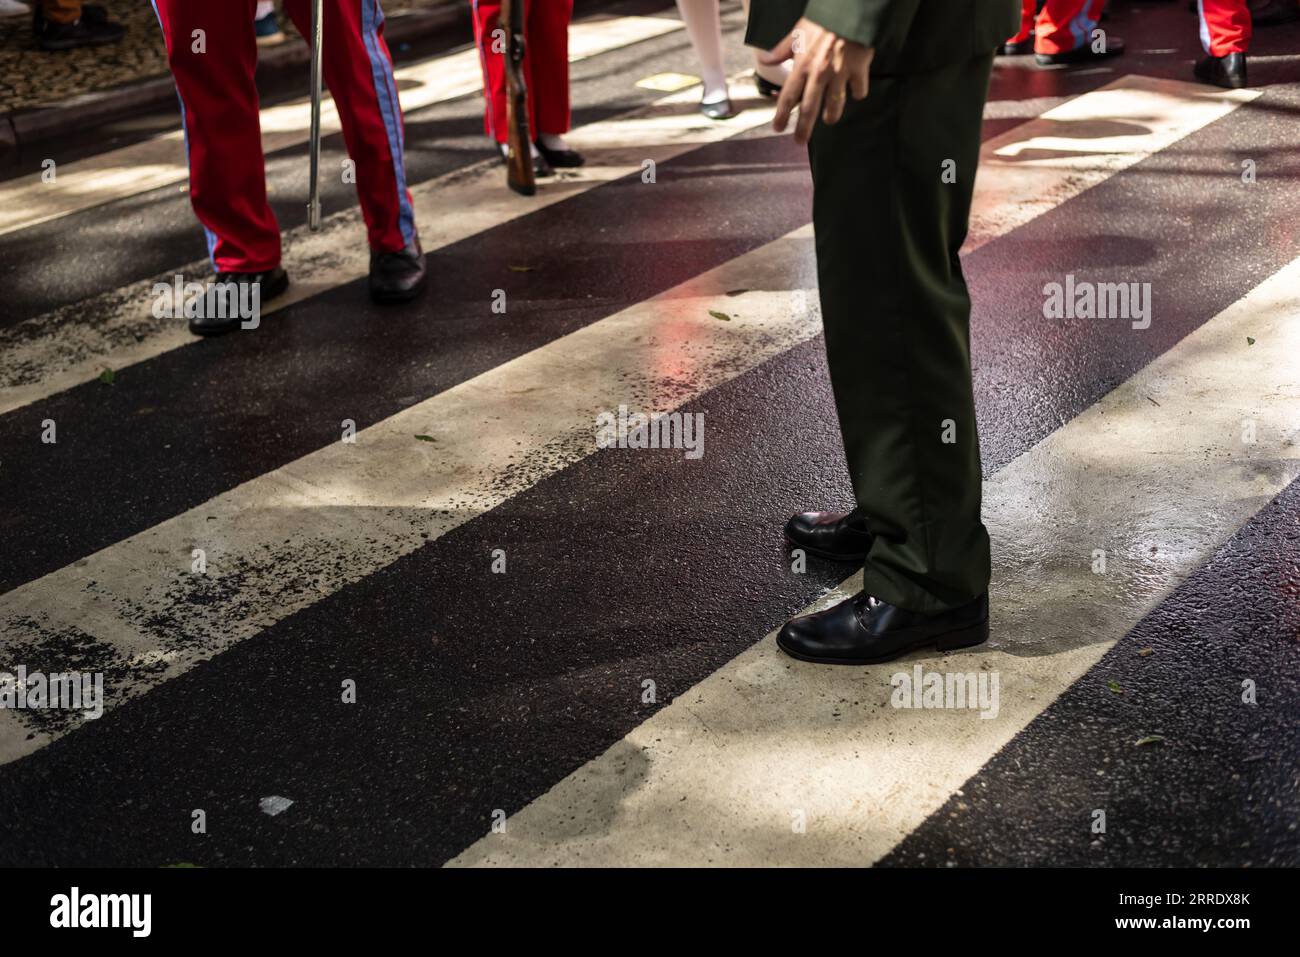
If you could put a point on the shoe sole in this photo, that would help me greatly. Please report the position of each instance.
(397, 298)
(823, 553)
(967, 637)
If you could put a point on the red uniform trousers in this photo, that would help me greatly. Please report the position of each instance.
(1061, 26)
(1225, 26)
(545, 67)
(223, 139)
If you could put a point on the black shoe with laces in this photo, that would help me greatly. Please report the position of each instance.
(864, 630)
(221, 306)
(839, 536)
(397, 276)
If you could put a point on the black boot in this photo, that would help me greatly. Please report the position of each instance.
(839, 536)
(1225, 71)
(217, 321)
(397, 276)
(1016, 48)
(863, 630)
(86, 32)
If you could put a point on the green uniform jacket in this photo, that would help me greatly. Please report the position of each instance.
(910, 36)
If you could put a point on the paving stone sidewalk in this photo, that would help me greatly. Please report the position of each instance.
(31, 78)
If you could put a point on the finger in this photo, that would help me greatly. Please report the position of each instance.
(810, 105)
(859, 80)
(833, 101)
(791, 90)
(860, 76)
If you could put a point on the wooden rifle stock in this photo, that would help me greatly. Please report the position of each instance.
(519, 154)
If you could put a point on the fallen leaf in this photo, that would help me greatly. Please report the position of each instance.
(1149, 739)
(1147, 652)
(521, 268)
(719, 315)
(426, 438)
(107, 376)
(1250, 341)
(1113, 685)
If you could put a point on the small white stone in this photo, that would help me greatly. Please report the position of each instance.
(274, 804)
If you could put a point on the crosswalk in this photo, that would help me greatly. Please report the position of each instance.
(1178, 452)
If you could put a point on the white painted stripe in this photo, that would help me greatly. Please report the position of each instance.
(1156, 473)
(62, 349)
(292, 536)
(1072, 147)
(71, 345)
(299, 533)
(116, 174)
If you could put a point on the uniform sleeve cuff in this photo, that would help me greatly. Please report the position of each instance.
(856, 20)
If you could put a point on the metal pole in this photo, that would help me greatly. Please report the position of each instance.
(313, 201)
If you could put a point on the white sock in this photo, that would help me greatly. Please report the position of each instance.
(505, 149)
(264, 7)
(552, 141)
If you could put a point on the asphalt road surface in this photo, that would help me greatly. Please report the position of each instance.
(468, 634)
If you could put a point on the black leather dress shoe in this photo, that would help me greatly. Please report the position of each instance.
(839, 536)
(218, 321)
(1016, 49)
(719, 110)
(1083, 54)
(766, 88)
(561, 159)
(865, 631)
(397, 276)
(1225, 71)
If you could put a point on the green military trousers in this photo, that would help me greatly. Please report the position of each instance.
(892, 184)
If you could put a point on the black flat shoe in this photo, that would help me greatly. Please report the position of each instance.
(1083, 54)
(1017, 49)
(839, 536)
(397, 276)
(84, 33)
(1228, 71)
(721, 110)
(863, 630)
(767, 88)
(220, 317)
(561, 159)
